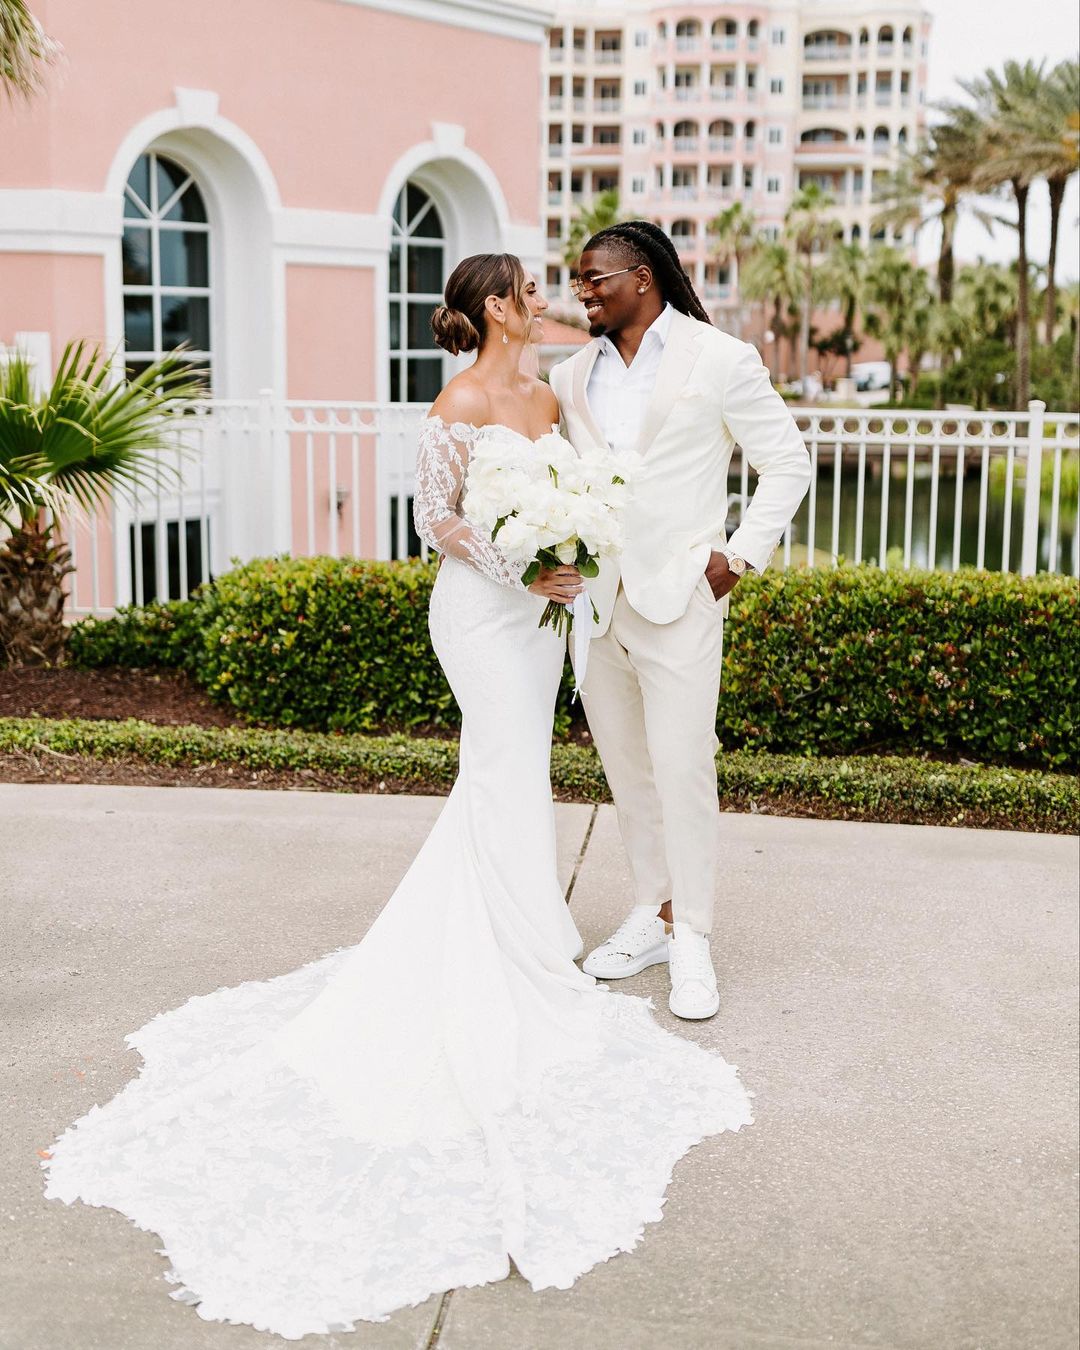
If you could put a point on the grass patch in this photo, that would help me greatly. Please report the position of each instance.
(889, 788)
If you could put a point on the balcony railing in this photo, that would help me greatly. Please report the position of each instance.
(684, 192)
(725, 43)
(812, 102)
(607, 57)
(613, 105)
(831, 52)
(556, 103)
(255, 478)
(722, 144)
(883, 98)
(556, 53)
(555, 151)
(687, 44)
(687, 93)
(683, 144)
(722, 93)
(886, 48)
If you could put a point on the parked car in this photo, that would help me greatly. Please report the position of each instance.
(870, 375)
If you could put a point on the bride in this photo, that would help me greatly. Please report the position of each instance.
(452, 1094)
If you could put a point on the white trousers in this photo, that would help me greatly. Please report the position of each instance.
(650, 695)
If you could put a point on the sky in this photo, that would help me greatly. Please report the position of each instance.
(967, 37)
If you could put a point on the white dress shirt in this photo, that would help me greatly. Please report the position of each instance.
(619, 394)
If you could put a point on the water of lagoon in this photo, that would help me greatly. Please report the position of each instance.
(921, 514)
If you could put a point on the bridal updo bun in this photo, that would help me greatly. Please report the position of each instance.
(454, 332)
(461, 324)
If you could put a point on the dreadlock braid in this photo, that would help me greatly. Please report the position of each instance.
(640, 241)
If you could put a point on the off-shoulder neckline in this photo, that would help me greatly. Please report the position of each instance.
(485, 426)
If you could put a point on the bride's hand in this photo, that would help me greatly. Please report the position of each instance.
(558, 583)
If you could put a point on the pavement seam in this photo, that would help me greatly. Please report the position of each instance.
(581, 853)
(440, 1320)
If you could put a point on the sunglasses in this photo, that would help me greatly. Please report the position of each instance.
(580, 285)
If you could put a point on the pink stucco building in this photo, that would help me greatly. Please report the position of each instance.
(283, 185)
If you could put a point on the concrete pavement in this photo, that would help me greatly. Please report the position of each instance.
(901, 999)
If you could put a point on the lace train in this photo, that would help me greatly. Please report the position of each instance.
(272, 1214)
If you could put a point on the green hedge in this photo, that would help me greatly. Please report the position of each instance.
(824, 661)
(867, 787)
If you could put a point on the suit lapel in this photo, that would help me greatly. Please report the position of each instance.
(680, 352)
(583, 365)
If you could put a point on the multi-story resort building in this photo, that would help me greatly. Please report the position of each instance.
(686, 109)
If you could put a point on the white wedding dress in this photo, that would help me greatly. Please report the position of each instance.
(410, 1114)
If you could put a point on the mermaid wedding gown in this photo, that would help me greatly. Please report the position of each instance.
(410, 1114)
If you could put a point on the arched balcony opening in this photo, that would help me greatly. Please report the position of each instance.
(827, 44)
(685, 135)
(725, 34)
(881, 140)
(823, 136)
(885, 40)
(722, 136)
(687, 35)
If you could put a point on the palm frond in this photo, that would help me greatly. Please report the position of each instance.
(25, 49)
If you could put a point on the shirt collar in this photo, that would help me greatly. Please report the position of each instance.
(659, 328)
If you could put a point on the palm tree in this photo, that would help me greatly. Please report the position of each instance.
(986, 297)
(1008, 104)
(809, 227)
(920, 325)
(933, 183)
(734, 232)
(86, 437)
(844, 279)
(1058, 120)
(771, 274)
(603, 212)
(24, 49)
(890, 284)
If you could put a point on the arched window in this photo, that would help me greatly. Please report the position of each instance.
(417, 263)
(749, 132)
(881, 138)
(856, 233)
(860, 133)
(166, 265)
(885, 39)
(901, 136)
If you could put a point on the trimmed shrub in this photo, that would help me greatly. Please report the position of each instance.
(824, 661)
(325, 644)
(871, 787)
(141, 635)
(836, 660)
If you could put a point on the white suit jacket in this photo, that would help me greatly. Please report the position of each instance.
(711, 391)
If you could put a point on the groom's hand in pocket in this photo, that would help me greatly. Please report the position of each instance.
(558, 583)
(720, 576)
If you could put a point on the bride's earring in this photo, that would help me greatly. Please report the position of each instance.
(506, 340)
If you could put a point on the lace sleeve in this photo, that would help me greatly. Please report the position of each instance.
(441, 462)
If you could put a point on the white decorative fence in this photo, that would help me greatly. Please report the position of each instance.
(246, 479)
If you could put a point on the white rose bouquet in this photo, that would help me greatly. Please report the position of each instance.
(547, 505)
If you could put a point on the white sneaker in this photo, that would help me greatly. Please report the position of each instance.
(693, 981)
(639, 941)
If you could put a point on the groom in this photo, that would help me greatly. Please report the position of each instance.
(660, 382)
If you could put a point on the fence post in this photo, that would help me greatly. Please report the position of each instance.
(1029, 541)
(275, 444)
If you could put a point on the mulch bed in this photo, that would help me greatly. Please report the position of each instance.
(166, 697)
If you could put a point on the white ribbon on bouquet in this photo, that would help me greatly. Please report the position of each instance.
(581, 635)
